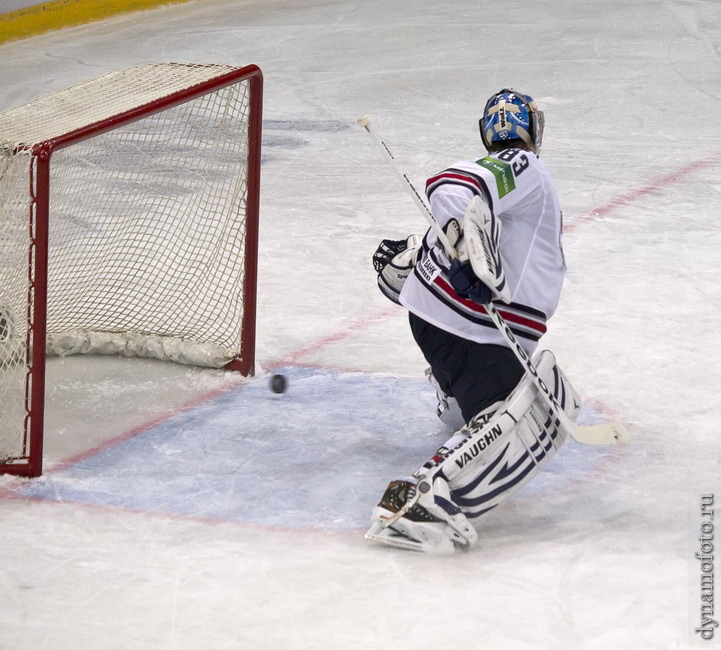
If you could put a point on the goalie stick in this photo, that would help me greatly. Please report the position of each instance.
(484, 230)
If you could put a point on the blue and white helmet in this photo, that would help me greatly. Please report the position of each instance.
(510, 115)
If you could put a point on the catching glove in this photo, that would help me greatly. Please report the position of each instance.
(393, 261)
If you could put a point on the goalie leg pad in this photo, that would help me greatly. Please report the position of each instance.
(486, 481)
(503, 448)
(480, 466)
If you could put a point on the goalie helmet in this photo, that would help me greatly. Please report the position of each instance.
(510, 115)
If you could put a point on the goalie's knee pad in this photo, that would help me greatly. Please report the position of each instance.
(499, 452)
(447, 410)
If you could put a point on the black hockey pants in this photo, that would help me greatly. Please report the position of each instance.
(476, 374)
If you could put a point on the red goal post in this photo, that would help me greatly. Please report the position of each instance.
(128, 225)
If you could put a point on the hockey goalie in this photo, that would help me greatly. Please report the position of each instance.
(500, 215)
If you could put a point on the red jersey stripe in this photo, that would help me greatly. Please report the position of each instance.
(510, 316)
(455, 177)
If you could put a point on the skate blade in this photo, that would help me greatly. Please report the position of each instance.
(381, 532)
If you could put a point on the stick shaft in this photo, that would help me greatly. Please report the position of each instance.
(406, 182)
(521, 354)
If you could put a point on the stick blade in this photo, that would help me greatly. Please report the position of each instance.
(608, 433)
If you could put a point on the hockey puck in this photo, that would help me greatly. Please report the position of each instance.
(7, 327)
(278, 383)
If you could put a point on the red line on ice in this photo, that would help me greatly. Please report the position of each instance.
(634, 195)
(127, 435)
(334, 338)
(596, 213)
(289, 360)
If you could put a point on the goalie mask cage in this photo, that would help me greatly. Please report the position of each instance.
(128, 225)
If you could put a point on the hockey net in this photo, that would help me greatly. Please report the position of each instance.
(128, 225)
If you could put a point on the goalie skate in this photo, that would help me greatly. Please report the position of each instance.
(399, 521)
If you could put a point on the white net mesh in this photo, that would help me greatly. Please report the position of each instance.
(147, 224)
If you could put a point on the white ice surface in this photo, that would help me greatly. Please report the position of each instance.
(181, 510)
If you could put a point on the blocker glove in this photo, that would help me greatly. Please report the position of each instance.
(467, 285)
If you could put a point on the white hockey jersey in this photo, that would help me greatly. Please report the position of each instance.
(520, 192)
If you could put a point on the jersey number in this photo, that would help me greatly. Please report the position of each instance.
(518, 159)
